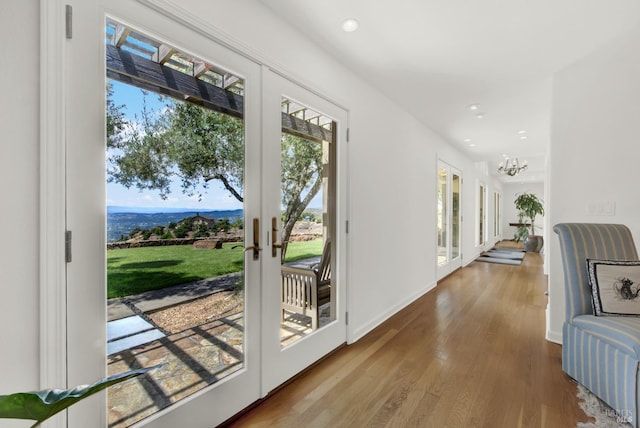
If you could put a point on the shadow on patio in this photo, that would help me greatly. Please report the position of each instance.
(193, 359)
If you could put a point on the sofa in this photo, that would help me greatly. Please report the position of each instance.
(601, 341)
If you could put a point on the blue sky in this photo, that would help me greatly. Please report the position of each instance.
(215, 198)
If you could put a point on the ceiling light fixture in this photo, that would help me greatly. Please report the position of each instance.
(473, 107)
(350, 25)
(512, 167)
(480, 115)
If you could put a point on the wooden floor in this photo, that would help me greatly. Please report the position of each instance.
(469, 353)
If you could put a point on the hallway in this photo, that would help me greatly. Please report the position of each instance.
(471, 352)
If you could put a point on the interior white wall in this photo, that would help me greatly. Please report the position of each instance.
(19, 181)
(594, 151)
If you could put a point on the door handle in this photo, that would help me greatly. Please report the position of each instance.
(274, 235)
(256, 240)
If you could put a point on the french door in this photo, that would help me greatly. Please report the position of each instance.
(297, 121)
(280, 124)
(449, 219)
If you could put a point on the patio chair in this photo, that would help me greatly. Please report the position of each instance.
(600, 347)
(304, 291)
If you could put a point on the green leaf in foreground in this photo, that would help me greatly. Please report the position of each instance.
(41, 405)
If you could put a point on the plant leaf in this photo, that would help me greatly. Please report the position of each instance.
(41, 405)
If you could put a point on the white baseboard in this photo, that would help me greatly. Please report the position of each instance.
(554, 336)
(358, 333)
(473, 258)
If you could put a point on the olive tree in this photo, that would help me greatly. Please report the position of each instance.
(196, 145)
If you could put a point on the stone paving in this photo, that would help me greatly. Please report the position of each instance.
(191, 360)
(127, 324)
(158, 299)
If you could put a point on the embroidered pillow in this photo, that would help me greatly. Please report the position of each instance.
(615, 287)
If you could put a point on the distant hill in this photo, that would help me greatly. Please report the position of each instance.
(115, 209)
(122, 220)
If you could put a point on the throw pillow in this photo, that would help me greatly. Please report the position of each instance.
(615, 287)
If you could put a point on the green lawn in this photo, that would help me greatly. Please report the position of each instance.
(134, 270)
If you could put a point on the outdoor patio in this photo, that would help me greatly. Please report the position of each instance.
(190, 359)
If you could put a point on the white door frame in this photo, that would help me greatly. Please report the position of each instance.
(53, 325)
(53, 195)
(82, 194)
(452, 263)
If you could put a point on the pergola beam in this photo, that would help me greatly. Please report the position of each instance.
(230, 80)
(120, 34)
(142, 72)
(164, 53)
(303, 129)
(199, 69)
(147, 74)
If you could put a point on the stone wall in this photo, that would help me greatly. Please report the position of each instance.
(303, 231)
(196, 242)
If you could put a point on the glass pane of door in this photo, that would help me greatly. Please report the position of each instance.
(497, 214)
(307, 193)
(455, 216)
(304, 187)
(175, 223)
(443, 217)
(481, 214)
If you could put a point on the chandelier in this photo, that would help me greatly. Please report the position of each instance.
(512, 167)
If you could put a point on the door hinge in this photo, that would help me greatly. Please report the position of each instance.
(348, 134)
(67, 246)
(346, 318)
(347, 226)
(68, 15)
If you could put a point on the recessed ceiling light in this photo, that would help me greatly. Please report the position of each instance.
(467, 140)
(473, 107)
(480, 115)
(350, 25)
(522, 132)
(523, 137)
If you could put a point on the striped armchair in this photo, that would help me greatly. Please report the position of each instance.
(600, 352)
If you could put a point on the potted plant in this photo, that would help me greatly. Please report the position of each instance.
(522, 231)
(529, 206)
(39, 406)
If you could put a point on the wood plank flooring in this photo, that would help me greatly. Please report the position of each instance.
(470, 353)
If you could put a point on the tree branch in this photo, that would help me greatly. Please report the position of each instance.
(295, 210)
(226, 184)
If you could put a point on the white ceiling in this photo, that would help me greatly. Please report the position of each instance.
(436, 57)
